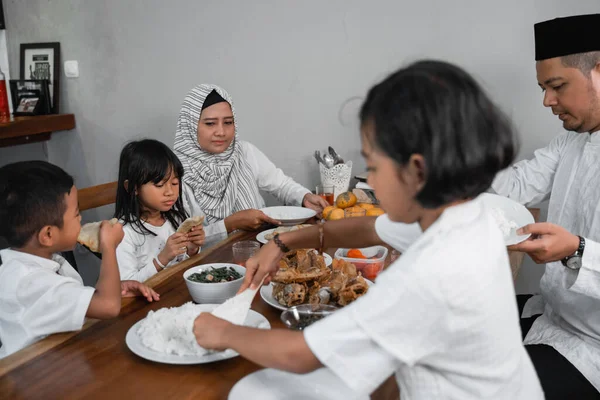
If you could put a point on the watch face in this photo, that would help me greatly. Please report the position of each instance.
(574, 262)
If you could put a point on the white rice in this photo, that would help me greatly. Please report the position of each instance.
(507, 227)
(170, 330)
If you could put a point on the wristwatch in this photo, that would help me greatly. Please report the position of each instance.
(574, 261)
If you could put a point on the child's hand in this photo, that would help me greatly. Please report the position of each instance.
(176, 245)
(209, 331)
(263, 264)
(135, 288)
(110, 236)
(196, 237)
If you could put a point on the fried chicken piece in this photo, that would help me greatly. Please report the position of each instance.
(290, 294)
(305, 266)
(353, 290)
(345, 267)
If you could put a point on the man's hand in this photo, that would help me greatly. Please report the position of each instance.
(548, 242)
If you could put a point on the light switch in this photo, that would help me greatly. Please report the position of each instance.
(72, 69)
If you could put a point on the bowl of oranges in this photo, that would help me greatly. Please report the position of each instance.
(369, 261)
(347, 206)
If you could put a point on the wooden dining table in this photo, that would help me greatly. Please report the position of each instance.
(96, 362)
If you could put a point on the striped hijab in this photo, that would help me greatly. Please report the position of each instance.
(222, 183)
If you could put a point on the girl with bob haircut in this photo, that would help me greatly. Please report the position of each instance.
(150, 207)
(443, 317)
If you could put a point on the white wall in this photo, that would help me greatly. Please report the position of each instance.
(289, 65)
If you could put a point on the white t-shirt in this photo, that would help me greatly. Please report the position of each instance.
(443, 317)
(137, 251)
(38, 297)
(268, 177)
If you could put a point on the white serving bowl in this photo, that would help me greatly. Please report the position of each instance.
(289, 215)
(213, 293)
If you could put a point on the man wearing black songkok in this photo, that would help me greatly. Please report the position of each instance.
(561, 327)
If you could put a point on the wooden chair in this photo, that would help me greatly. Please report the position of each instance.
(97, 196)
(90, 198)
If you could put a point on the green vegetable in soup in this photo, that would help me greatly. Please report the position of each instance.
(215, 275)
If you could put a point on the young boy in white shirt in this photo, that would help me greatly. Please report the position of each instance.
(40, 292)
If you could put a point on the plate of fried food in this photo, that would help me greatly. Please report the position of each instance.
(304, 278)
(268, 235)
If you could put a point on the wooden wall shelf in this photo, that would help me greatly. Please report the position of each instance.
(22, 130)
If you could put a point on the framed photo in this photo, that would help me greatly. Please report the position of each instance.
(2, 24)
(28, 105)
(41, 61)
(30, 97)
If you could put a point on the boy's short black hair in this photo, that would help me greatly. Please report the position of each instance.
(32, 195)
(436, 109)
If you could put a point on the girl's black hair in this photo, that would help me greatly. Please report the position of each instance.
(436, 109)
(142, 162)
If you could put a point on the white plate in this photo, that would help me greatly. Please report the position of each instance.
(137, 347)
(266, 293)
(289, 215)
(514, 212)
(261, 237)
(272, 384)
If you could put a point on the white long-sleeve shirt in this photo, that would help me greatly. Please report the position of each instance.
(568, 173)
(136, 252)
(443, 317)
(268, 178)
(38, 297)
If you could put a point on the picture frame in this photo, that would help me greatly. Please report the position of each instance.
(41, 61)
(23, 92)
(28, 105)
(2, 23)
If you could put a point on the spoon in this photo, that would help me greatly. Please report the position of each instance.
(328, 161)
(336, 157)
(318, 157)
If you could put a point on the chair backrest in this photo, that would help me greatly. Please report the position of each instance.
(93, 197)
(97, 196)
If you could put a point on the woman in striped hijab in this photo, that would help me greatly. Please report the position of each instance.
(223, 175)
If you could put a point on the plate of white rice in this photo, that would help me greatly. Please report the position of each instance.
(509, 215)
(166, 335)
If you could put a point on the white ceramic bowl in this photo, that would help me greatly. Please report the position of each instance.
(289, 215)
(213, 293)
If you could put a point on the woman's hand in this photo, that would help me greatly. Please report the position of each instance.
(175, 246)
(314, 202)
(210, 331)
(135, 288)
(196, 237)
(248, 220)
(264, 263)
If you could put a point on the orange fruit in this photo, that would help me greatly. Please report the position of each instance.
(354, 209)
(346, 199)
(336, 214)
(327, 210)
(366, 206)
(375, 212)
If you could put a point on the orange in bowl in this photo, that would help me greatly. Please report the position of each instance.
(327, 211)
(336, 214)
(346, 199)
(375, 212)
(366, 206)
